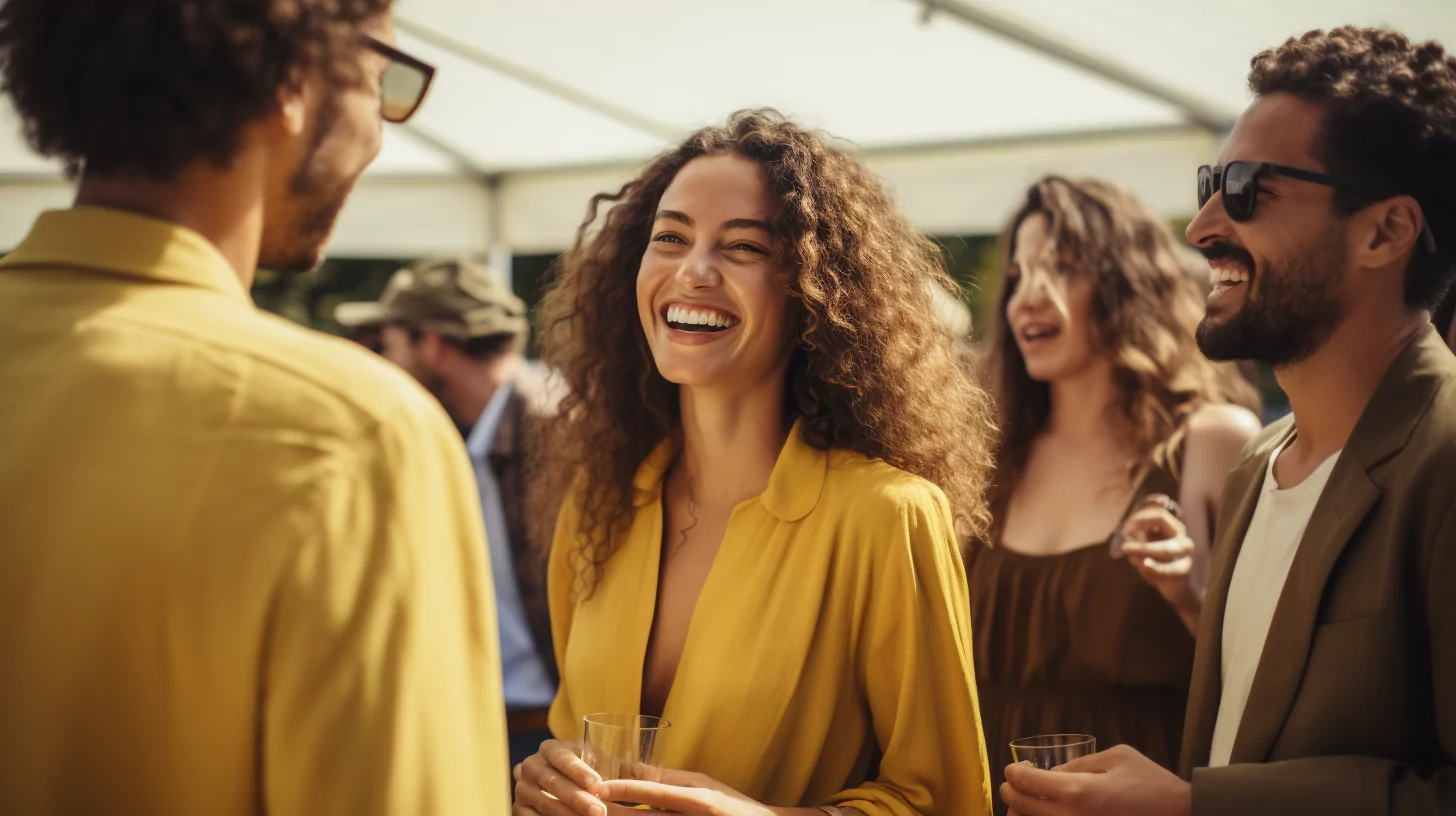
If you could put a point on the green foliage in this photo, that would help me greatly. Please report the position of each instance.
(309, 298)
(973, 261)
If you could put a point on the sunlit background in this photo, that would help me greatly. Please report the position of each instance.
(957, 104)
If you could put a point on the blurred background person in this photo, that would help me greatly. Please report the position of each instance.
(775, 452)
(241, 571)
(1107, 409)
(364, 321)
(458, 330)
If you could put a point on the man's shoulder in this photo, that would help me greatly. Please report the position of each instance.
(313, 374)
(1266, 441)
(1433, 437)
(317, 387)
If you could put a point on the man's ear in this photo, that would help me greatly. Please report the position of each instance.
(1395, 231)
(432, 347)
(294, 96)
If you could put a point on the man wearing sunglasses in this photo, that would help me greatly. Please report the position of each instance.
(241, 563)
(1325, 675)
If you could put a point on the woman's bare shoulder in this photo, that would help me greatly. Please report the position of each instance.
(1217, 434)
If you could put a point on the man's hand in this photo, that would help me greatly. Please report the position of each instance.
(1116, 782)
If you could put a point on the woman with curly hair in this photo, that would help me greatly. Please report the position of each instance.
(775, 454)
(1112, 421)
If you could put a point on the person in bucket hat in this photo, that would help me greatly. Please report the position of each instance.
(457, 328)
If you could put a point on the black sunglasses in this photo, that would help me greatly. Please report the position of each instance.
(1238, 181)
(404, 84)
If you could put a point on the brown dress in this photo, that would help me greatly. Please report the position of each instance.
(1077, 643)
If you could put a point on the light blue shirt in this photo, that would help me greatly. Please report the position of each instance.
(527, 683)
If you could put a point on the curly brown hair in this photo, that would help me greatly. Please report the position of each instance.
(1146, 303)
(1390, 121)
(875, 371)
(148, 88)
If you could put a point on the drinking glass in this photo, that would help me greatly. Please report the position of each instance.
(1052, 750)
(624, 746)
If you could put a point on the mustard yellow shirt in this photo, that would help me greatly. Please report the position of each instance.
(242, 568)
(832, 630)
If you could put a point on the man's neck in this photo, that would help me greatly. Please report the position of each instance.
(1329, 391)
(731, 440)
(225, 206)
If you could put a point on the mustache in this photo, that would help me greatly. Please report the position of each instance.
(1225, 250)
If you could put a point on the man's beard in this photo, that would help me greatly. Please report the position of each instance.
(315, 203)
(1289, 317)
(437, 385)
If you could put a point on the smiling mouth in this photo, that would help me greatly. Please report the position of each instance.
(1036, 334)
(699, 320)
(1226, 278)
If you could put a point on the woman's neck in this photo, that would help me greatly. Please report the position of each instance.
(731, 441)
(1081, 405)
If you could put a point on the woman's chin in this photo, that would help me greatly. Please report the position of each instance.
(1045, 373)
(688, 376)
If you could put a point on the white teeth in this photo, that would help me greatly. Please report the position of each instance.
(1227, 275)
(684, 316)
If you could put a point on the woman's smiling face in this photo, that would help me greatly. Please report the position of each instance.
(712, 288)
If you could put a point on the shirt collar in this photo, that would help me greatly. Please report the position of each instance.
(123, 243)
(483, 434)
(1272, 487)
(793, 487)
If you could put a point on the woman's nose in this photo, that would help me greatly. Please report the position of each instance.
(699, 270)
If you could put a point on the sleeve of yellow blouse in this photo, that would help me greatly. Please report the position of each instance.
(915, 664)
(382, 672)
(559, 597)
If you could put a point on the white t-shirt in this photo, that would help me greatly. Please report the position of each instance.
(1258, 580)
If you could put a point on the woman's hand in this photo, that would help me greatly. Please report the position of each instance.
(691, 794)
(1157, 545)
(556, 782)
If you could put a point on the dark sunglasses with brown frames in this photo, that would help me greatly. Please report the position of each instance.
(404, 84)
(1238, 182)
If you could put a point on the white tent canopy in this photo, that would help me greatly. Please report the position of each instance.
(957, 104)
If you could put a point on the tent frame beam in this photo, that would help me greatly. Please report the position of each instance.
(891, 151)
(1195, 110)
(535, 79)
(464, 165)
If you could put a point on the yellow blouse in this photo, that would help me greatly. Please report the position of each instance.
(829, 657)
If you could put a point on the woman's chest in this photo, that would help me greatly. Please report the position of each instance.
(1064, 501)
(771, 619)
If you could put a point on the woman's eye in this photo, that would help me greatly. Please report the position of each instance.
(747, 248)
(668, 238)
